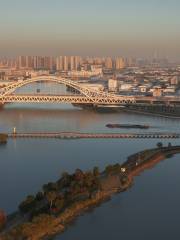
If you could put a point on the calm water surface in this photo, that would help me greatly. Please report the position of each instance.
(149, 210)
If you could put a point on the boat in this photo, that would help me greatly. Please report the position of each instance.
(127, 126)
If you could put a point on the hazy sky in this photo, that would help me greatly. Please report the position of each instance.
(90, 27)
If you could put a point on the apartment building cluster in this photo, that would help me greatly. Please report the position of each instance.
(65, 63)
(67, 66)
(147, 82)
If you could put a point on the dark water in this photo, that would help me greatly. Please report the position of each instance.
(149, 210)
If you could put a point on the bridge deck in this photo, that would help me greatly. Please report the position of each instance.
(75, 135)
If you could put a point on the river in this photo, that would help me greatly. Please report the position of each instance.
(149, 210)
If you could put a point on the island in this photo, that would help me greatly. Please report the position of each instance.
(52, 209)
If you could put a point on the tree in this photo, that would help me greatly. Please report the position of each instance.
(59, 204)
(45, 188)
(65, 180)
(96, 171)
(50, 187)
(159, 145)
(28, 204)
(39, 196)
(108, 169)
(2, 219)
(65, 175)
(117, 167)
(78, 175)
(89, 177)
(51, 197)
(169, 145)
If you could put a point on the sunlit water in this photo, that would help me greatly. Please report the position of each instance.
(149, 210)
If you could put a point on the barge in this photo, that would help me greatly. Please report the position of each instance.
(127, 126)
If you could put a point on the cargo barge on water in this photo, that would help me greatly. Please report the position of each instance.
(127, 126)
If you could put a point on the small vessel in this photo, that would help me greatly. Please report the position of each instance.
(127, 126)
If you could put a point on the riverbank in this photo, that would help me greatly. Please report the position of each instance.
(153, 112)
(3, 138)
(114, 179)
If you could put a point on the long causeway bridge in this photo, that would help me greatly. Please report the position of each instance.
(78, 135)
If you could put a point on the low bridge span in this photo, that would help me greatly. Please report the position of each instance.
(76, 135)
(74, 99)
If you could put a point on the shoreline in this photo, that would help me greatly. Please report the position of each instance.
(65, 219)
(151, 113)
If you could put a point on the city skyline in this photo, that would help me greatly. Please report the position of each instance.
(95, 28)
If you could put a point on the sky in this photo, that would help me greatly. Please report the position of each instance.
(139, 28)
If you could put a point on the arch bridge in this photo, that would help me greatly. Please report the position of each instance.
(86, 95)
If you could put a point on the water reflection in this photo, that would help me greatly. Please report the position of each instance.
(54, 117)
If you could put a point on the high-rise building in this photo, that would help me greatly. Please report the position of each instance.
(78, 62)
(48, 63)
(25, 62)
(72, 63)
(109, 63)
(59, 63)
(120, 63)
(98, 61)
(113, 85)
(62, 63)
(29, 62)
(175, 80)
(131, 62)
(21, 62)
(66, 63)
(35, 62)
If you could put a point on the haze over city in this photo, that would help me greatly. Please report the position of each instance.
(101, 28)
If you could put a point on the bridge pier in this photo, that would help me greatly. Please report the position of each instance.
(84, 106)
